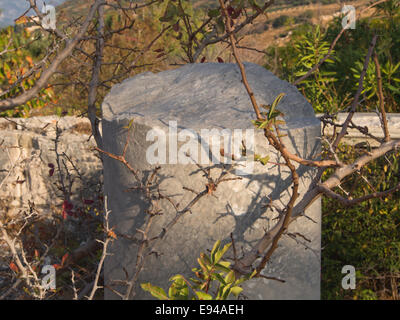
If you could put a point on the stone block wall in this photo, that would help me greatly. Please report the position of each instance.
(28, 153)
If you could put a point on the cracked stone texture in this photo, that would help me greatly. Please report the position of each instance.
(206, 96)
(29, 144)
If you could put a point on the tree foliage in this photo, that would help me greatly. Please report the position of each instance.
(16, 63)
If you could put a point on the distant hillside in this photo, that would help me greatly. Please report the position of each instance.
(78, 5)
(12, 9)
(278, 4)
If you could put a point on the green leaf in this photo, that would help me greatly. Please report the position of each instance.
(203, 296)
(203, 264)
(252, 274)
(177, 277)
(220, 25)
(221, 266)
(236, 290)
(129, 124)
(179, 289)
(213, 13)
(214, 250)
(206, 258)
(240, 281)
(264, 124)
(219, 254)
(274, 104)
(219, 278)
(394, 89)
(197, 282)
(230, 277)
(226, 291)
(155, 291)
(263, 160)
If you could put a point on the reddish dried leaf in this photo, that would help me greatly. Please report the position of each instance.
(231, 11)
(67, 205)
(112, 234)
(220, 60)
(51, 172)
(202, 60)
(211, 188)
(13, 267)
(234, 13)
(64, 258)
(29, 59)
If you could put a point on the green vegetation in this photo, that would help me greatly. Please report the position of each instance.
(215, 280)
(366, 236)
(283, 20)
(17, 61)
(336, 81)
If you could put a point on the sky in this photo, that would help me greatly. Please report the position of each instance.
(12, 9)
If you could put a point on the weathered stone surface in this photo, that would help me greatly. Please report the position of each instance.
(27, 149)
(200, 96)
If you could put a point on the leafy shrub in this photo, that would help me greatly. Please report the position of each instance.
(215, 280)
(366, 236)
(282, 21)
(13, 65)
(330, 87)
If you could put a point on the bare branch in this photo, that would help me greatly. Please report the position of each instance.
(381, 98)
(349, 202)
(42, 82)
(354, 105)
